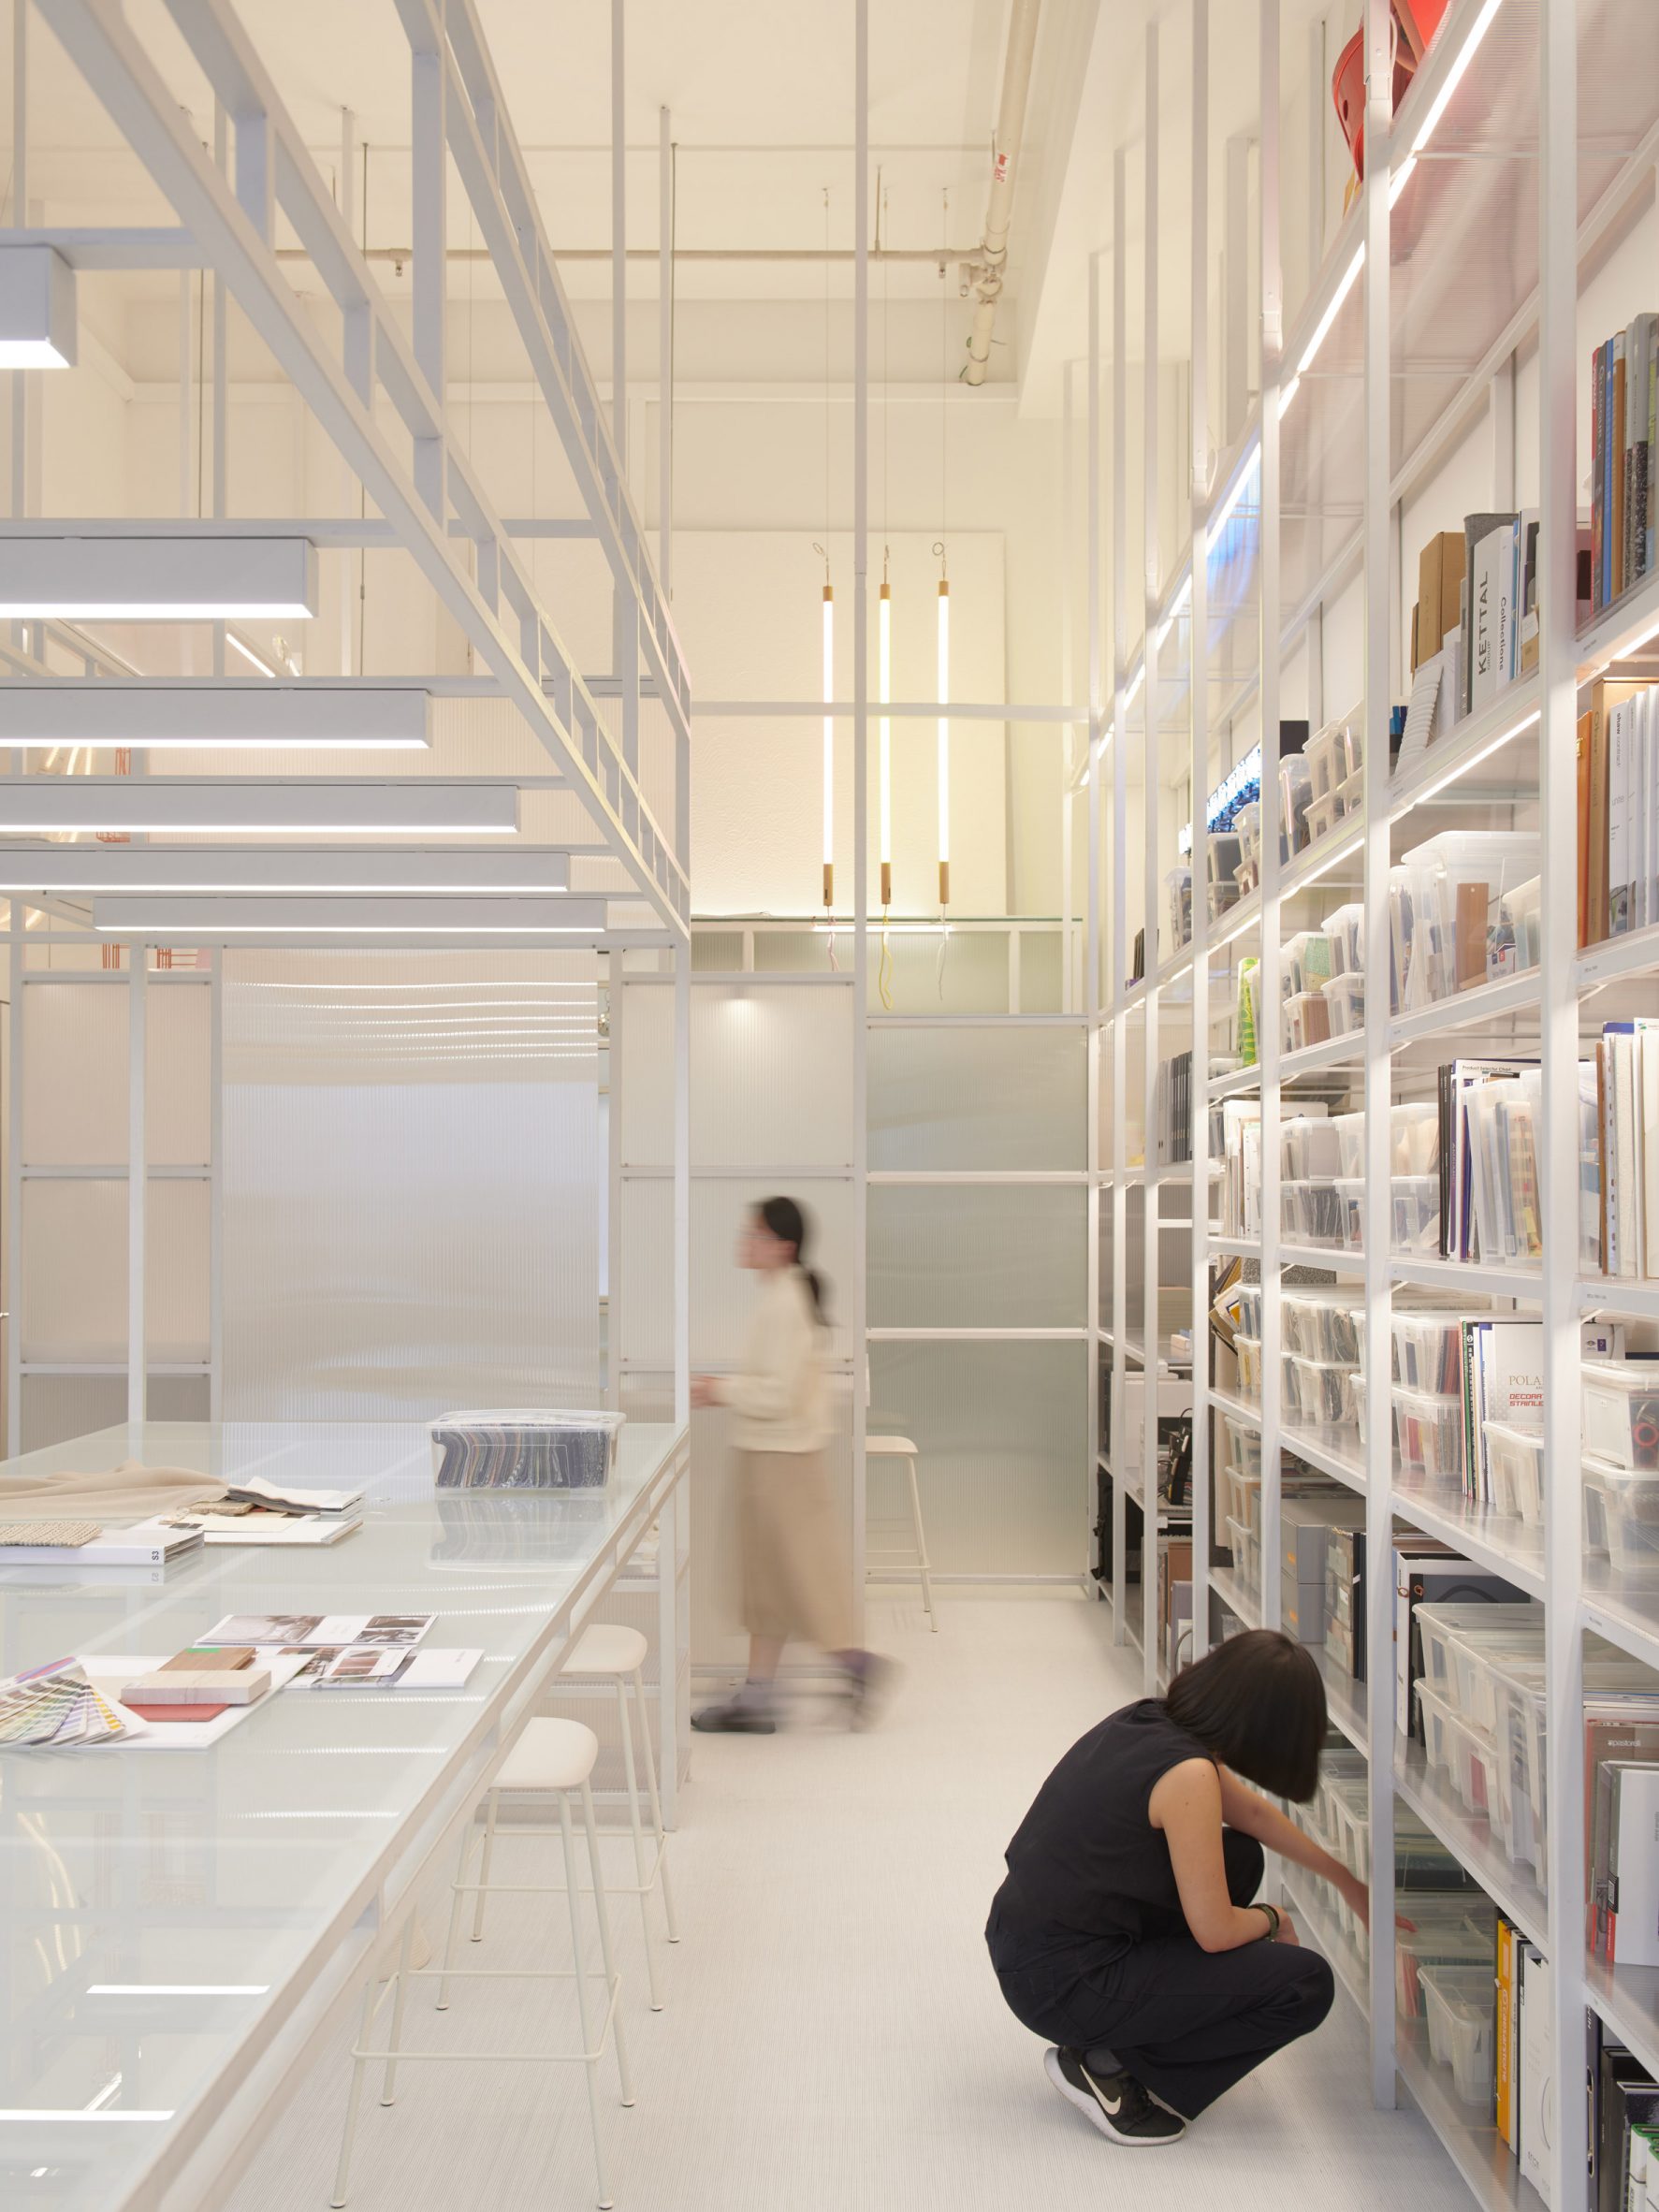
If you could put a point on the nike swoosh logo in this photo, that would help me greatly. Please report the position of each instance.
(1111, 2106)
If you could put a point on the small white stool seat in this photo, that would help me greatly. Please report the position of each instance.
(555, 1758)
(549, 1755)
(911, 1557)
(606, 1648)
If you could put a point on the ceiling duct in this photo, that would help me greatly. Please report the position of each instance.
(985, 275)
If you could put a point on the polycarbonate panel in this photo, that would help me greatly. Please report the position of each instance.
(75, 1075)
(978, 1098)
(178, 1119)
(411, 1183)
(74, 1290)
(771, 1074)
(970, 979)
(723, 1295)
(72, 1298)
(1001, 1434)
(978, 1256)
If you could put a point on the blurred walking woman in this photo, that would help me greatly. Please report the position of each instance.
(796, 1576)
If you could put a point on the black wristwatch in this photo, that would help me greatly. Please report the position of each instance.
(1272, 1920)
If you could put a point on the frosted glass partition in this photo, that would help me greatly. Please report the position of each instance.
(74, 1269)
(978, 1256)
(769, 1075)
(1006, 1098)
(1002, 1433)
(75, 1075)
(411, 1169)
(178, 1106)
(722, 1294)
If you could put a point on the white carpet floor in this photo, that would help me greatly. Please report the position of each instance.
(834, 2037)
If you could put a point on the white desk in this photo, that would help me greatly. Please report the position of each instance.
(181, 1925)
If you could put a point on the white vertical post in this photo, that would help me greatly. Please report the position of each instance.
(186, 383)
(217, 1188)
(1501, 417)
(861, 720)
(1120, 895)
(1267, 1028)
(1069, 742)
(1558, 200)
(1199, 1116)
(620, 235)
(221, 371)
(1151, 1032)
(1093, 768)
(349, 565)
(17, 937)
(1235, 273)
(1379, 1074)
(19, 216)
(429, 269)
(137, 1186)
(665, 353)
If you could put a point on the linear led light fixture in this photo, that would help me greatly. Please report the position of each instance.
(1248, 475)
(40, 320)
(111, 578)
(944, 743)
(829, 745)
(1350, 277)
(149, 714)
(509, 870)
(884, 693)
(1454, 77)
(39, 806)
(177, 1989)
(204, 919)
(1432, 790)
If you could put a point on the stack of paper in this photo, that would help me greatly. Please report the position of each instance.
(57, 1704)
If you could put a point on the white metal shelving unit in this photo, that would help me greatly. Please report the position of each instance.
(1521, 156)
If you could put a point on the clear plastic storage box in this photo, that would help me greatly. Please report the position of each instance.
(1415, 1206)
(1460, 2006)
(1306, 961)
(1429, 1433)
(1345, 930)
(524, 1449)
(1309, 1146)
(1248, 1349)
(1323, 1324)
(1515, 1463)
(1622, 1412)
(1309, 1213)
(1622, 1518)
(1345, 1002)
(1244, 1446)
(1321, 1392)
(1307, 1021)
(1428, 1352)
(1350, 1201)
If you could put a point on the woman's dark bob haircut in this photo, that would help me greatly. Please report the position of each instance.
(1257, 1704)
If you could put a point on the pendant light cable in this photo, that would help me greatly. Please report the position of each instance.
(884, 612)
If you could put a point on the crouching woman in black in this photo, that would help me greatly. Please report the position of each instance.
(1124, 1934)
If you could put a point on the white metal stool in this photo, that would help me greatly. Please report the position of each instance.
(552, 1757)
(604, 1653)
(913, 1556)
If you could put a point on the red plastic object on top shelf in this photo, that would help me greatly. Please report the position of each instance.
(1415, 23)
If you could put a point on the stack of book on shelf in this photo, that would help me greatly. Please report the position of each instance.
(1618, 785)
(1624, 2130)
(1621, 1807)
(1524, 2054)
(1171, 1111)
(1475, 627)
(1488, 1161)
(1624, 458)
(1626, 1153)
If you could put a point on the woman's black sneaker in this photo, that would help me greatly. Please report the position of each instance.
(1116, 2103)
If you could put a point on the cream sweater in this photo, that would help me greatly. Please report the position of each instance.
(778, 1397)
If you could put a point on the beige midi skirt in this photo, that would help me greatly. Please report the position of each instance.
(796, 1577)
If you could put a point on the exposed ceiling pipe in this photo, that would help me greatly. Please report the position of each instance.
(984, 274)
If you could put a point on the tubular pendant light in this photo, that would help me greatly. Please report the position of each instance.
(944, 741)
(884, 691)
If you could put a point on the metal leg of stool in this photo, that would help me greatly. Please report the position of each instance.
(650, 1766)
(589, 2050)
(483, 1865)
(632, 1779)
(456, 1905)
(922, 1565)
(388, 2087)
(353, 2102)
(603, 1914)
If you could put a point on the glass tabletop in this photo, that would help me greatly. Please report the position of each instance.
(158, 1904)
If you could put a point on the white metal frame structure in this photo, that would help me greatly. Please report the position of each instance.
(1328, 452)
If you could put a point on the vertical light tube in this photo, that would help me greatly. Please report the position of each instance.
(829, 746)
(944, 743)
(885, 690)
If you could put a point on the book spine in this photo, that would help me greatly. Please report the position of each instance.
(1597, 418)
(1505, 2047)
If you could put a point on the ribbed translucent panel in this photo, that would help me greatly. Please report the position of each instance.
(769, 1075)
(75, 1075)
(411, 1183)
(722, 1294)
(74, 1267)
(178, 1121)
(978, 1256)
(978, 1098)
(1001, 1430)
